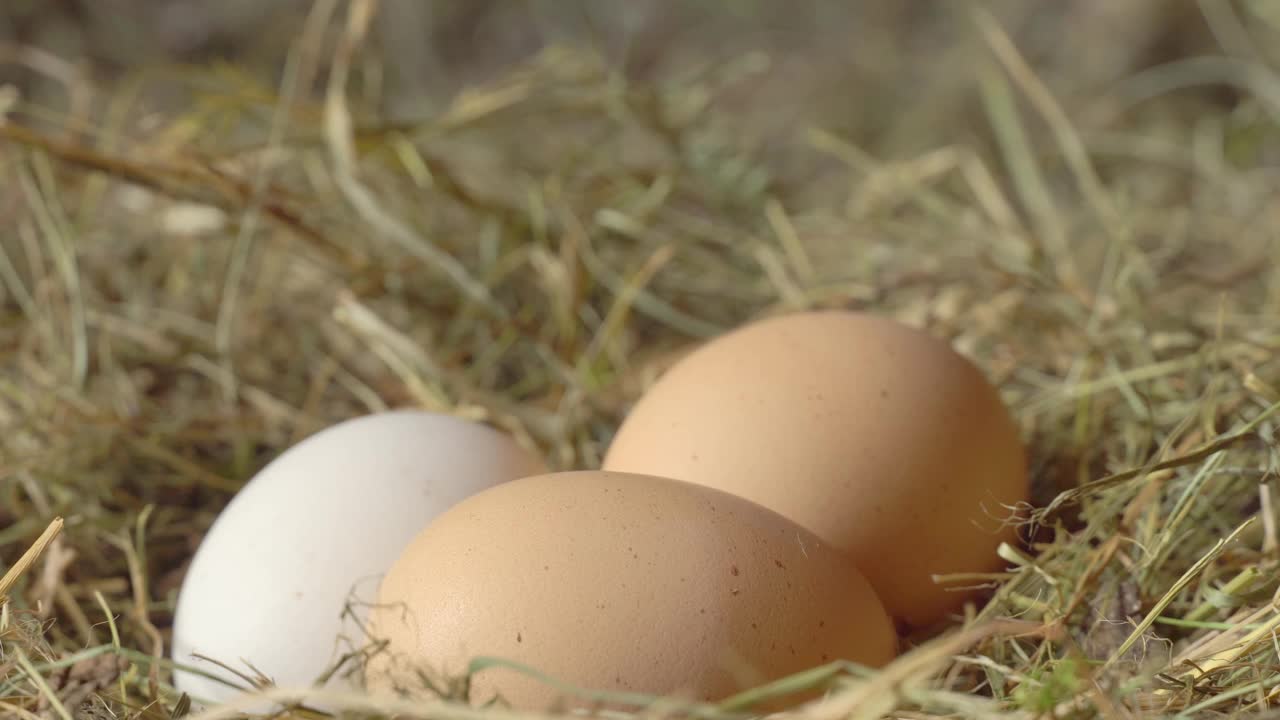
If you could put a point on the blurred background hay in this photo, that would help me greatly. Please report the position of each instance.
(227, 225)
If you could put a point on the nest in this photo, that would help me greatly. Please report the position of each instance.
(187, 288)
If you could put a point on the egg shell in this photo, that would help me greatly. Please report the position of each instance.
(878, 437)
(314, 530)
(623, 583)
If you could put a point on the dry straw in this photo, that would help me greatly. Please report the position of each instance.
(199, 268)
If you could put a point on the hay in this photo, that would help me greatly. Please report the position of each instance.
(184, 293)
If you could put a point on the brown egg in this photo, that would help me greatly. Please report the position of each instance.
(878, 437)
(623, 583)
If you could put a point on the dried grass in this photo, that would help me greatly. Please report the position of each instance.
(184, 295)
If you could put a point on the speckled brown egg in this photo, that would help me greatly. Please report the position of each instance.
(878, 437)
(623, 583)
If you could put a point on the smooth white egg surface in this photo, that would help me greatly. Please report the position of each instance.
(311, 535)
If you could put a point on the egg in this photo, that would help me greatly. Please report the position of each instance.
(618, 582)
(313, 531)
(878, 437)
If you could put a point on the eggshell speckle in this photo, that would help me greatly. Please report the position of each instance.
(876, 436)
(314, 530)
(620, 582)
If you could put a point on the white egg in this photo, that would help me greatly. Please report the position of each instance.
(311, 535)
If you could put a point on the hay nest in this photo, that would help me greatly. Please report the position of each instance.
(188, 288)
